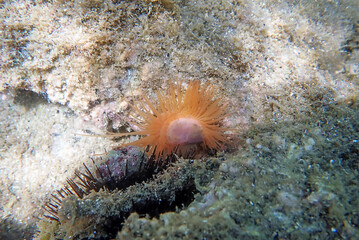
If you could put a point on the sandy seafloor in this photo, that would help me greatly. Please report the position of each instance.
(288, 70)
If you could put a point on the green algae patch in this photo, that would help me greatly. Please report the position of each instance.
(283, 189)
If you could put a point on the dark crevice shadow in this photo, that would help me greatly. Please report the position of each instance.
(28, 99)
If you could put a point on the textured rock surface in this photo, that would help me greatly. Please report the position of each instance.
(288, 70)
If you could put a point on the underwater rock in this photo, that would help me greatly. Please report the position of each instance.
(122, 184)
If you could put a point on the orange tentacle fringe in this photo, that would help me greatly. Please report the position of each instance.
(196, 105)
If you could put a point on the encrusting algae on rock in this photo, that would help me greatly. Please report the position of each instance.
(96, 203)
(289, 71)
